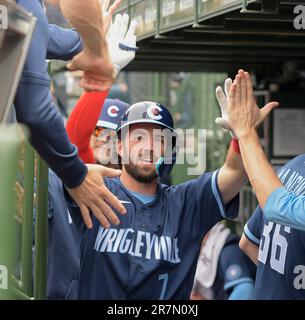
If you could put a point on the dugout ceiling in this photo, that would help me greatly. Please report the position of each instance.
(215, 35)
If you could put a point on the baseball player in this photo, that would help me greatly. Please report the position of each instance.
(277, 248)
(223, 272)
(152, 253)
(63, 240)
(98, 147)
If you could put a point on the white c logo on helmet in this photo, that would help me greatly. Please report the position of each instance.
(113, 111)
(154, 112)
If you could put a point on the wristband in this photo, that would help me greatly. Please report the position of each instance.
(235, 145)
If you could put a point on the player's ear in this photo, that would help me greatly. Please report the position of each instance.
(119, 147)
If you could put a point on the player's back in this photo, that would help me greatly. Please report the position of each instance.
(281, 261)
(281, 267)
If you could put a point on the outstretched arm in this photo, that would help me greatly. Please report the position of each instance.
(82, 122)
(279, 205)
(232, 175)
(34, 108)
(261, 174)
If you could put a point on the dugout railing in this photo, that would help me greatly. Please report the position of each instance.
(156, 17)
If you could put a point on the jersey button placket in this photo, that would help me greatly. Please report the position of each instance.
(143, 217)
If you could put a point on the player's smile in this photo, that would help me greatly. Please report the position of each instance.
(147, 157)
(147, 164)
(147, 160)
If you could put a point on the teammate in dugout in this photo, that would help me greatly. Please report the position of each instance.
(281, 204)
(152, 253)
(223, 272)
(63, 240)
(274, 235)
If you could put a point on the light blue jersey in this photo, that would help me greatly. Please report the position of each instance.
(281, 260)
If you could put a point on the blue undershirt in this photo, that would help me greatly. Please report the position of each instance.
(243, 291)
(143, 197)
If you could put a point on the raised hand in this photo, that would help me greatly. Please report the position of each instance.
(222, 98)
(99, 72)
(94, 60)
(243, 112)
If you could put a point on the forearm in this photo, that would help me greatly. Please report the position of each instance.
(261, 174)
(34, 108)
(232, 176)
(86, 17)
(249, 248)
(82, 122)
(47, 132)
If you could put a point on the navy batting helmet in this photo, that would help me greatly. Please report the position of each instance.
(152, 112)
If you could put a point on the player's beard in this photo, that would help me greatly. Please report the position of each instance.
(144, 174)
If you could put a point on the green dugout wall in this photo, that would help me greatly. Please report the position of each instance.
(24, 176)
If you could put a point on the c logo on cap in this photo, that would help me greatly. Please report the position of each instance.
(154, 112)
(113, 111)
